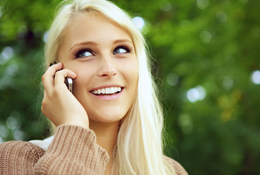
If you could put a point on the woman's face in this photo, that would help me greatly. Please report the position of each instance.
(102, 55)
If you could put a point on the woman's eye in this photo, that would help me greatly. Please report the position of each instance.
(120, 50)
(83, 53)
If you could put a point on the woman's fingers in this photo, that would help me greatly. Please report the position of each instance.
(60, 76)
(47, 78)
(54, 76)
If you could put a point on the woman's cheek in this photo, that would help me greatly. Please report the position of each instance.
(133, 71)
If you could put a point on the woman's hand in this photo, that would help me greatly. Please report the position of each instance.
(59, 104)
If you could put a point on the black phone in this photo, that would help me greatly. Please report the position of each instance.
(68, 81)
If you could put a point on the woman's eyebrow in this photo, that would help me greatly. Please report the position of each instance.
(123, 40)
(84, 43)
(95, 44)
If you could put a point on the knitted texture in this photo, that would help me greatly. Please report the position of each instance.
(72, 151)
(17, 157)
(179, 170)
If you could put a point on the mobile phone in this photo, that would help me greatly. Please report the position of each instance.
(68, 81)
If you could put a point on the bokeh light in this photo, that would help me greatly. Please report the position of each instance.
(202, 4)
(6, 54)
(13, 122)
(18, 135)
(45, 36)
(227, 82)
(165, 5)
(185, 123)
(205, 36)
(139, 22)
(0, 12)
(22, 31)
(243, 1)
(12, 70)
(172, 79)
(4, 131)
(221, 16)
(256, 77)
(195, 94)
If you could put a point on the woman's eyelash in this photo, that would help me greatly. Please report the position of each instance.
(80, 52)
(125, 46)
(81, 49)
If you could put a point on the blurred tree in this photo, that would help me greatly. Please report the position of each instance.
(205, 61)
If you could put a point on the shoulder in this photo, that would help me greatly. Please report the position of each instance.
(176, 165)
(22, 155)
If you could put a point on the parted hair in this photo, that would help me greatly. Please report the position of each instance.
(139, 148)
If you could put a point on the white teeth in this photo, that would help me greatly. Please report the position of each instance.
(107, 90)
(110, 90)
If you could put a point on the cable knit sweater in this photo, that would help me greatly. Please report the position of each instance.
(73, 150)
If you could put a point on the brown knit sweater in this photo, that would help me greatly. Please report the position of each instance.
(72, 151)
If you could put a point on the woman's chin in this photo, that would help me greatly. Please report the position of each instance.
(107, 113)
(105, 118)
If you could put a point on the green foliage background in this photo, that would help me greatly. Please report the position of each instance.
(204, 44)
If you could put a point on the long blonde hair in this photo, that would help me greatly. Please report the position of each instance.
(139, 148)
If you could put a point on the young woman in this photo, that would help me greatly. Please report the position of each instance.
(112, 122)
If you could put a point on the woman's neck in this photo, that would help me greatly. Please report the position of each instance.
(106, 134)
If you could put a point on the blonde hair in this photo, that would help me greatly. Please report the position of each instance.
(139, 148)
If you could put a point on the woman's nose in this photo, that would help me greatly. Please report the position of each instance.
(108, 68)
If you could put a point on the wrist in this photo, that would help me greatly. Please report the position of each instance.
(83, 124)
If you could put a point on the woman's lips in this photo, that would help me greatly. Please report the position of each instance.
(109, 96)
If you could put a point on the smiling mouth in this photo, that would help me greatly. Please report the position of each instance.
(107, 91)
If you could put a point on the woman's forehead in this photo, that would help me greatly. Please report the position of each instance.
(94, 27)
